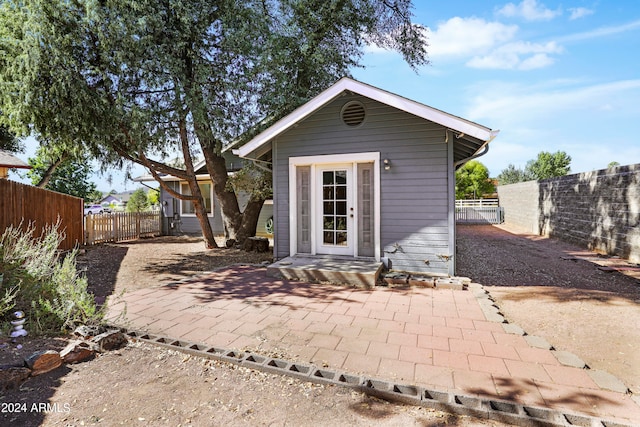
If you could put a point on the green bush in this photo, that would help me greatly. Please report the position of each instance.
(36, 278)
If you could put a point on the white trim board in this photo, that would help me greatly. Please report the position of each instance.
(349, 85)
(312, 161)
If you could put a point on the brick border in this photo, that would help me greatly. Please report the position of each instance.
(451, 402)
(492, 313)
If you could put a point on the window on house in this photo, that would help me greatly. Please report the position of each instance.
(187, 207)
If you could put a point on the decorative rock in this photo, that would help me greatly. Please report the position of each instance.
(449, 283)
(12, 376)
(538, 342)
(512, 328)
(423, 282)
(607, 381)
(569, 359)
(43, 361)
(396, 279)
(256, 244)
(77, 351)
(110, 340)
(87, 332)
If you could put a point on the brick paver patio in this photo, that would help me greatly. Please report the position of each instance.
(433, 338)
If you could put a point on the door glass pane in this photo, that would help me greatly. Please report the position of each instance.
(328, 223)
(341, 177)
(341, 192)
(341, 208)
(328, 208)
(328, 238)
(328, 192)
(327, 178)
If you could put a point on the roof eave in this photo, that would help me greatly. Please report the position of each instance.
(426, 112)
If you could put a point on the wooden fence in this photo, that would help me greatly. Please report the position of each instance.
(479, 211)
(22, 205)
(120, 226)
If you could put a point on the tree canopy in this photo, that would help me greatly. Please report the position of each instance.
(512, 175)
(138, 201)
(8, 141)
(472, 181)
(546, 165)
(139, 80)
(69, 177)
(549, 165)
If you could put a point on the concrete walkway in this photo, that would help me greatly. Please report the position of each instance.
(441, 339)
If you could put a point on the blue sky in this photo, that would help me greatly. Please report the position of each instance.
(549, 75)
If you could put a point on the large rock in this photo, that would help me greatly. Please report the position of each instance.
(88, 332)
(110, 340)
(256, 244)
(76, 352)
(12, 376)
(43, 361)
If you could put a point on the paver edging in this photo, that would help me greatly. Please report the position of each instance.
(492, 313)
(448, 401)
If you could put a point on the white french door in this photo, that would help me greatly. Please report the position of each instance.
(335, 209)
(335, 204)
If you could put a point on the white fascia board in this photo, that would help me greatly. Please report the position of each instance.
(346, 84)
(291, 119)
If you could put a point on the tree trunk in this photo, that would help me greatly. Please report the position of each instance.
(202, 215)
(250, 217)
(231, 216)
(46, 177)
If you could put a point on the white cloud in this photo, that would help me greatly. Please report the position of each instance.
(530, 10)
(460, 37)
(579, 12)
(602, 32)
(514, 105)
(517, 55)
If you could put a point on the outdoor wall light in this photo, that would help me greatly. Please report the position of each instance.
(387, 164)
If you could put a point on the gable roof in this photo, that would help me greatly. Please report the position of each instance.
(8, 160)
(471, 138)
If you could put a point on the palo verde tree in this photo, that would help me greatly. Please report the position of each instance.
(138, 80)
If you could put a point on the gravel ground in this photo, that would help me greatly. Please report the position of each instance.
(150, 386)
(571, 303)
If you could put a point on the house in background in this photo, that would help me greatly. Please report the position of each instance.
(179, 215)
(9, 161)
(116, 201)
(359, 172)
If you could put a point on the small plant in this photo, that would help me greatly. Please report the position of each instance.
(36, 278)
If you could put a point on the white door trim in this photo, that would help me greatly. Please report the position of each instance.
(312, 161)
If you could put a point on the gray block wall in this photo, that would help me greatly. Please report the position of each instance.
(599, 210)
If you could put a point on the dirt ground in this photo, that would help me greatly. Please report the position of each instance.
(571, 303)
(574, 305)
(145, 385)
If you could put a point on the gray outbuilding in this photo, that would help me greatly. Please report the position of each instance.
(360, 172)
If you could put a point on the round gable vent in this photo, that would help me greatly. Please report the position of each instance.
(352, 114)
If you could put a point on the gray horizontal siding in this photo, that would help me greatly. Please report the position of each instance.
(191, 225)
(414, 195)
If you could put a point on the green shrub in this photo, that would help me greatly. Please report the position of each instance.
(36, 278)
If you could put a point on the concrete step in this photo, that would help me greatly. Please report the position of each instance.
(361, 272)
